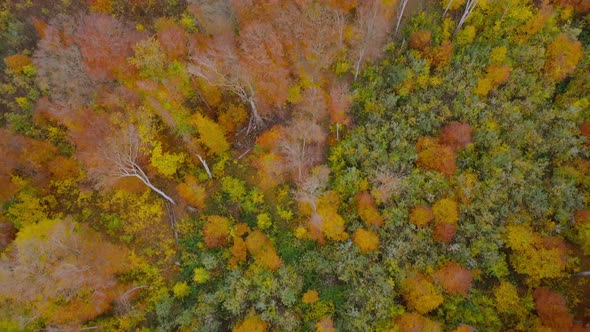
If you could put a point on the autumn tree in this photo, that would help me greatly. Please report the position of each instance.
(321, 207)
(434, 156)
(366, 240)
(74, 282)
(421, 294)
(122, 153)
(552, 309)
(251, 324)
(563, 55)
(536, 256)
(216, 231)
(372, 25)
(218, 64)
(413, 322)
(456, 135)
(453, 278)
(421, 216)
(60, 69)
(193, 192)
(263, 250)
(105, 44)
(366, 208)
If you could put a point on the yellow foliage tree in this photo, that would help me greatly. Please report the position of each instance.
(211, 134)
(311, 296)
(366, 240)
(421, 294)
(421, 216)
(536, 256)
(445, 211)
(251, 324)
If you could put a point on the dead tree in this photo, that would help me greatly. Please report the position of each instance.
(123, 152)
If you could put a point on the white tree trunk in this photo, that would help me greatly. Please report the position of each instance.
(205, 165)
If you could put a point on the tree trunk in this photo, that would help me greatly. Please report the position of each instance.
(205, 165)
(154, 188)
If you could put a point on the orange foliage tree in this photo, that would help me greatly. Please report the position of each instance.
(216, 231)
(192, 191)
(454, 279)
(563, 55)
(263, 250)
(366, 207)
(420, 40)
(435, 156)
(73, 282)
(105, 44)
(413, 322)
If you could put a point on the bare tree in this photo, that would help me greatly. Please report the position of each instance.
(400, 14)
(123, 152)
(469, 7)
(219, 66)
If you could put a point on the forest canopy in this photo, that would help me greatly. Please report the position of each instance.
(302, 165)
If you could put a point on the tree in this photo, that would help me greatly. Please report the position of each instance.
(216, 231)
(193, 192)
(434, 156)
(552, 309)
(73, 282)
(321, 206)
(210, 134)
(263, 250)
(421, 216)
(563, 55)
(218, 64)
(105, 44)
(456, 135)
(445, 211)
(366, 208)
(367, 241)
(421, 294)
(372, 26)
(60, 69)
(122, 152)
(251, 324)
(453, 278)
(413, 322)
(420, 40)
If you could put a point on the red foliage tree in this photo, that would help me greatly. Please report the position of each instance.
(552, 309)
(105, 43)
(454, 279)
(174, 41)
(444, 232)
(456, 135)
(76, 279)
(7, 234)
